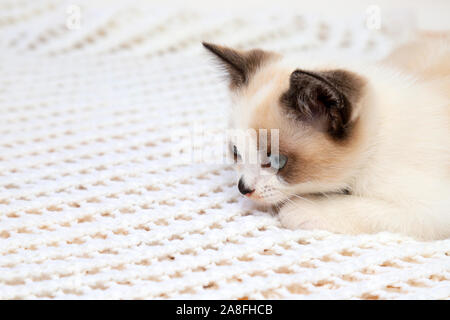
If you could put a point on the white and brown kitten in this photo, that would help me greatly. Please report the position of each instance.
(366, 148)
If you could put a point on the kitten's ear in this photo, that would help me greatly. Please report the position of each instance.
(326, 96)
(240, 65)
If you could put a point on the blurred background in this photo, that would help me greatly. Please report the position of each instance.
(431, 15)
(157, 27)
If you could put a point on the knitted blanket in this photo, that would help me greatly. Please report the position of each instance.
(95, 203)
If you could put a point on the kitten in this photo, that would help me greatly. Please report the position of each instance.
(362, 148)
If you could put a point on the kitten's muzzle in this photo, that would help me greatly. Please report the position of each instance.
(246, 191)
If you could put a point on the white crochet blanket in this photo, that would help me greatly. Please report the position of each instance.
(94, 205)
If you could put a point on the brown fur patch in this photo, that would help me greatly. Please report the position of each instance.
(312, 153)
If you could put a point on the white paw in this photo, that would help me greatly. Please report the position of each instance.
(300, 218)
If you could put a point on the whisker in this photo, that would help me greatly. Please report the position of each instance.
(297, 196)
(325, 195)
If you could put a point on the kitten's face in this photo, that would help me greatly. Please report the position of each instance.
(313, 147)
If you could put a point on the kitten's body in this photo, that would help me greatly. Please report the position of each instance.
(393, 158)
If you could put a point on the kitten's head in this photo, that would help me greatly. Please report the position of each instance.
(316, 112)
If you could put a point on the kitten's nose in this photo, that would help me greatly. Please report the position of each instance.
(242, 188)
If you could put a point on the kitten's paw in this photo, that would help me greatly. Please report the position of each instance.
(300, 218)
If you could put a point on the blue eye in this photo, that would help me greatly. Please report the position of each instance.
(278, 161)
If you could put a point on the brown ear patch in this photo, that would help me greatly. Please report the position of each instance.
(240, 65)
(325, 96)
